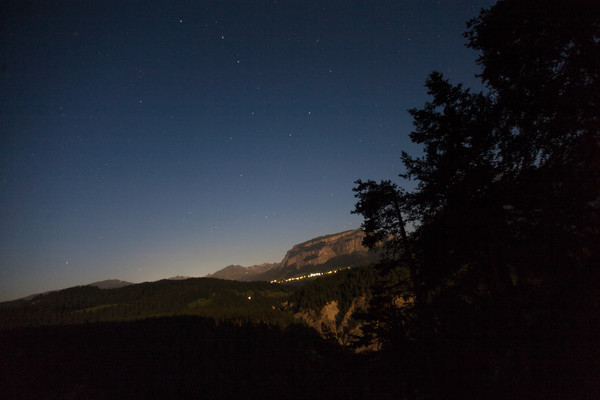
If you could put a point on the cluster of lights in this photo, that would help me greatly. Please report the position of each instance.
(312, 275)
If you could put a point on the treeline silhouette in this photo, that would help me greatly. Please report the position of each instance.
(501, 297)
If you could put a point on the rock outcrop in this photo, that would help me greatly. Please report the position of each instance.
(322, 249)
(321, 254)
(345, 329)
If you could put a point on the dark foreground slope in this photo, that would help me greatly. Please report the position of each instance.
(198, 338)
(181, 357)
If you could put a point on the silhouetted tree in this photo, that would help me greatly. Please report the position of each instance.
(541, 60)
(504, 253)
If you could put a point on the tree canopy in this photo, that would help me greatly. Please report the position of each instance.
(506, 206)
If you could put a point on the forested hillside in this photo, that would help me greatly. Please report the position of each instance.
(216, 298)
(223, 300)
(204, 337)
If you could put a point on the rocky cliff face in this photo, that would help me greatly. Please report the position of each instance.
(330, 324)
(322, 249)
(321, 254)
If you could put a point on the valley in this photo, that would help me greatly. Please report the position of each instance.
(191, 338)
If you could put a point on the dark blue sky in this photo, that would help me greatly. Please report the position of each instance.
(146, 139)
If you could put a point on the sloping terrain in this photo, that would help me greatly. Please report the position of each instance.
(207, 297)
(184, 357)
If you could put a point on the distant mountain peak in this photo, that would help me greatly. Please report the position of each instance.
(110, 284)
(179, 278)
(320, 254)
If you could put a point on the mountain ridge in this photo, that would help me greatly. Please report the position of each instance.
(320, 254)
(110, 284)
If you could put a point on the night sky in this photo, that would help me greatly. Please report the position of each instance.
(143, 140)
